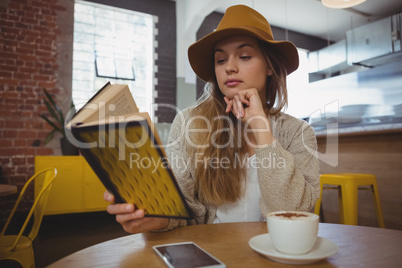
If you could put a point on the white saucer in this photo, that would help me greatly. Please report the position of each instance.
(322, 249)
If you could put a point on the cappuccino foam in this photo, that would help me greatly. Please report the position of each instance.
(292, 216)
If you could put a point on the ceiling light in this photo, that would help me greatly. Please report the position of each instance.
(341, 3)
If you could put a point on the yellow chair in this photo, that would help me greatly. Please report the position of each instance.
(19, 247)
(348, 184)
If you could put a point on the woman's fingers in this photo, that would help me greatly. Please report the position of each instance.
(120, 208)
(126, 217)
(238, 107)
(107, 196)
(226, 100)
(239, 102)
(145, 225)
(251, 103)
(244, 99)
(131, 219)
(229, 104)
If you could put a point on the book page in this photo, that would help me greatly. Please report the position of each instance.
(121, 105)
(113, 100)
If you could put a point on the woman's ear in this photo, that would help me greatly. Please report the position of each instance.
(269, 72)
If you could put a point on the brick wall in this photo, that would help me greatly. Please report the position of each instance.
(29, 61)
(36, 38)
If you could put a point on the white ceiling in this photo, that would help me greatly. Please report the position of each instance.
(312, 18)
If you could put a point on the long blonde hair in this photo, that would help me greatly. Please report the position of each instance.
(220, 174)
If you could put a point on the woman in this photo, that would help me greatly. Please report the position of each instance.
(235, 155)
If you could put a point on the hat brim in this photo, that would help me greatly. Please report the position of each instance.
(200, 54)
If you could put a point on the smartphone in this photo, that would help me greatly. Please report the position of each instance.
(186, 255)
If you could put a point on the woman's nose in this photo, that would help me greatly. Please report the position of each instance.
(231, 65)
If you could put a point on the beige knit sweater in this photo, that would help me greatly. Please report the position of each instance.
(288, 172)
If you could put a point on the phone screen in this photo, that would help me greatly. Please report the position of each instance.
(186, 255)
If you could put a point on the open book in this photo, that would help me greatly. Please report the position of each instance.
(124, 150)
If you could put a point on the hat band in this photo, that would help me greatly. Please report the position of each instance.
(252, 29)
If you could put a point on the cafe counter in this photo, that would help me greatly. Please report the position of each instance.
(364, 148)
(358, 129)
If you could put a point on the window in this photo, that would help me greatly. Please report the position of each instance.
(297, 84)
(116, 45)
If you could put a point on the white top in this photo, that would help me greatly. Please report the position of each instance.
(247, 208)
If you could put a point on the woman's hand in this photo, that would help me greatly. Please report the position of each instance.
(247, 106)
(133, 220)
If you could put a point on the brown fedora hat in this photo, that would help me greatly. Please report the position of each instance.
(238, 20)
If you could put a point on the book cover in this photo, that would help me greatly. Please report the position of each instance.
(126, 155)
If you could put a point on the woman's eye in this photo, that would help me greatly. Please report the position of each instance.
(220, 61)
(245, 57)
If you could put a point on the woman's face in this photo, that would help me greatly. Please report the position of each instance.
(240, 64)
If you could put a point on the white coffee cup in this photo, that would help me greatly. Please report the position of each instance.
(293, 232)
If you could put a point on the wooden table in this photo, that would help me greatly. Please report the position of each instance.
(358, 247)
(7, 189)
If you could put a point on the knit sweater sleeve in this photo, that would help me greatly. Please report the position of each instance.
(288, 171)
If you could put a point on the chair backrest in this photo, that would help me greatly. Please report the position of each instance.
(46, 178)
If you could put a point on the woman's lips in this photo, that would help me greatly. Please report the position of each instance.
(232, 82)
